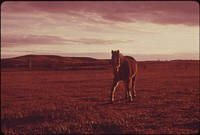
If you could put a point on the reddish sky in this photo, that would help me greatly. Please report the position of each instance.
(145, 30)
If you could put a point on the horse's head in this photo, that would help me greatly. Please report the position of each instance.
(115, 60)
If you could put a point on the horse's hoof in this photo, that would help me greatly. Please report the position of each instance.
(131, 100)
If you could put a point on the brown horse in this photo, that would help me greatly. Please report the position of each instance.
(125, 70)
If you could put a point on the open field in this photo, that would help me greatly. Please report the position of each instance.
(77, 101)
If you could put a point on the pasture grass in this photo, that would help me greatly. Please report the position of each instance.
(77, 102)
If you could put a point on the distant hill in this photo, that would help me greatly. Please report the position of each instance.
(52, 62)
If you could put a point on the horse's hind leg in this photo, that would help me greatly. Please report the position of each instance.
(126, 90)
(130, 90)
(133, 86)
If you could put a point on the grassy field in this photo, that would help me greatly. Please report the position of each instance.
(77, 101)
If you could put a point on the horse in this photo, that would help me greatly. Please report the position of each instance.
(124, 70)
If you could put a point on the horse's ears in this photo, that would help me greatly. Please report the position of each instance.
(116, 51)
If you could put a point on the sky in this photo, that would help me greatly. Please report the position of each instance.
(153, 30)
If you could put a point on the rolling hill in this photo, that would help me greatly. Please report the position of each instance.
(53, 62)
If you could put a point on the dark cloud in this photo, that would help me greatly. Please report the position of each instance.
(12, 40)
(162, 12)
(16, 40)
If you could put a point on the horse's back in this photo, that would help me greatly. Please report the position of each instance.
(131, 58)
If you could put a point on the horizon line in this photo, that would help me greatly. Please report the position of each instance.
(139, 57)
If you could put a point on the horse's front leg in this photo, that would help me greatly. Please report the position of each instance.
(114, 86)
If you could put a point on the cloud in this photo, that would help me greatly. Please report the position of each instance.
(92, 41)
(12, 40)
(17, 40)
(54, 25)
(167, 12)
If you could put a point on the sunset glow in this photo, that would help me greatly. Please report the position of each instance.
(146, 30)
